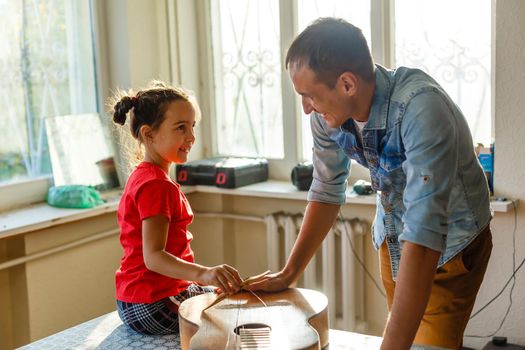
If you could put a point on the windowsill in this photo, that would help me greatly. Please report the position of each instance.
(503, 205)
(22, 193)
(41, 215)
(274, 189)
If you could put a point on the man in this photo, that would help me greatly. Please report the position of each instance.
(432, 219)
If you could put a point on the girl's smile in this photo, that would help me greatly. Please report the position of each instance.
(172, 141)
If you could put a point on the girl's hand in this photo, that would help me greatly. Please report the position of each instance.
(223, 276)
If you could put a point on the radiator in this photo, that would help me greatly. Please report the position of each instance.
(333, 270)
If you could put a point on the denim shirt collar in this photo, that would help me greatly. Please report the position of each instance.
(380, 100)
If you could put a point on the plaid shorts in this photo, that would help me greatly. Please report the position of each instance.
(160, 317)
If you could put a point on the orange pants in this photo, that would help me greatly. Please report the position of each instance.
(454, 291)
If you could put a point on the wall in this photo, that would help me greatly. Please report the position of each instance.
(55, 292)
(6, 322)
(509, 107)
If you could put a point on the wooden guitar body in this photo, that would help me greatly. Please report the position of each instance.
(291, 319)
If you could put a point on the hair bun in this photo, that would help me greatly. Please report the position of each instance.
(122, 108)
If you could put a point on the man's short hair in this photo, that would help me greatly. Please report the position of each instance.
(330, 47)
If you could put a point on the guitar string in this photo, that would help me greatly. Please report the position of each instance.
(237, 320)
(236, 325)
(258, 298)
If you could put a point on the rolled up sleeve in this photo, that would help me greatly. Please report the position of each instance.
(331, 166)
(429, 133)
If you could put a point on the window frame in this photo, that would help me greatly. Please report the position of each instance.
(18, 193)
(382, 21)
(278, 168)
(382, 46)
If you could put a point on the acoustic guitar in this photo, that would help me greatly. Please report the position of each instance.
(291, 319)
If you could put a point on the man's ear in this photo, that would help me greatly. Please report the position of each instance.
(146, 134)
(348, 82)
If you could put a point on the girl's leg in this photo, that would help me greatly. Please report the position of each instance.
(154, 318)
(160, 317)
(191, 291)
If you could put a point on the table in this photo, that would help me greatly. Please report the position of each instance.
(108, 332)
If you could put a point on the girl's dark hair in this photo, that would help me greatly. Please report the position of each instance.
(146, 107)
(330, 47)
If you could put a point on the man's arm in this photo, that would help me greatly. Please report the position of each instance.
(326, 194)
(430, 136)
(318, 219)
(414, 283)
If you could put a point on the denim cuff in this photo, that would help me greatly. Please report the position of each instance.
(327, 193)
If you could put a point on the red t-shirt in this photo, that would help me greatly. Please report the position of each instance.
(149, 192)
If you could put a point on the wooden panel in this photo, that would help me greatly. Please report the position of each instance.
(54, 292)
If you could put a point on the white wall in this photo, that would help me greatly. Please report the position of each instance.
(509, 106)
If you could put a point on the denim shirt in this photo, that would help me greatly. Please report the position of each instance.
(419, 150)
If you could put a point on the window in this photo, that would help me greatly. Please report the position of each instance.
(47, 69)
(356, 12)
(251, 91)
(247, 75)
(454, 48)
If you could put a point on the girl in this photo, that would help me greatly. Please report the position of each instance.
(157, 268)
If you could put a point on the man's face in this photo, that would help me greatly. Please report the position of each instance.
(334, 105)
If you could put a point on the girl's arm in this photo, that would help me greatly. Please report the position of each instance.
(157, 259)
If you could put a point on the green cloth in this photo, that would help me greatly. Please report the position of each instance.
(73, 196)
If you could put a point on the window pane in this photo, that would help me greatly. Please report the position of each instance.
(46, 64)
(453, 46)
(356, 12)
(247, 76)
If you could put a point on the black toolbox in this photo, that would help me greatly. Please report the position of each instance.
(225, 172)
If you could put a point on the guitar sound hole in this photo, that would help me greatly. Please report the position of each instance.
(252, 327)
(254, 336)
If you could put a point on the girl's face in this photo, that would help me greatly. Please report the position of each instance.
(172, 141)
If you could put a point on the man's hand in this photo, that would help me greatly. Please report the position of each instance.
(274, 282)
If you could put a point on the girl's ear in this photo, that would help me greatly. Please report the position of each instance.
(146, 134)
